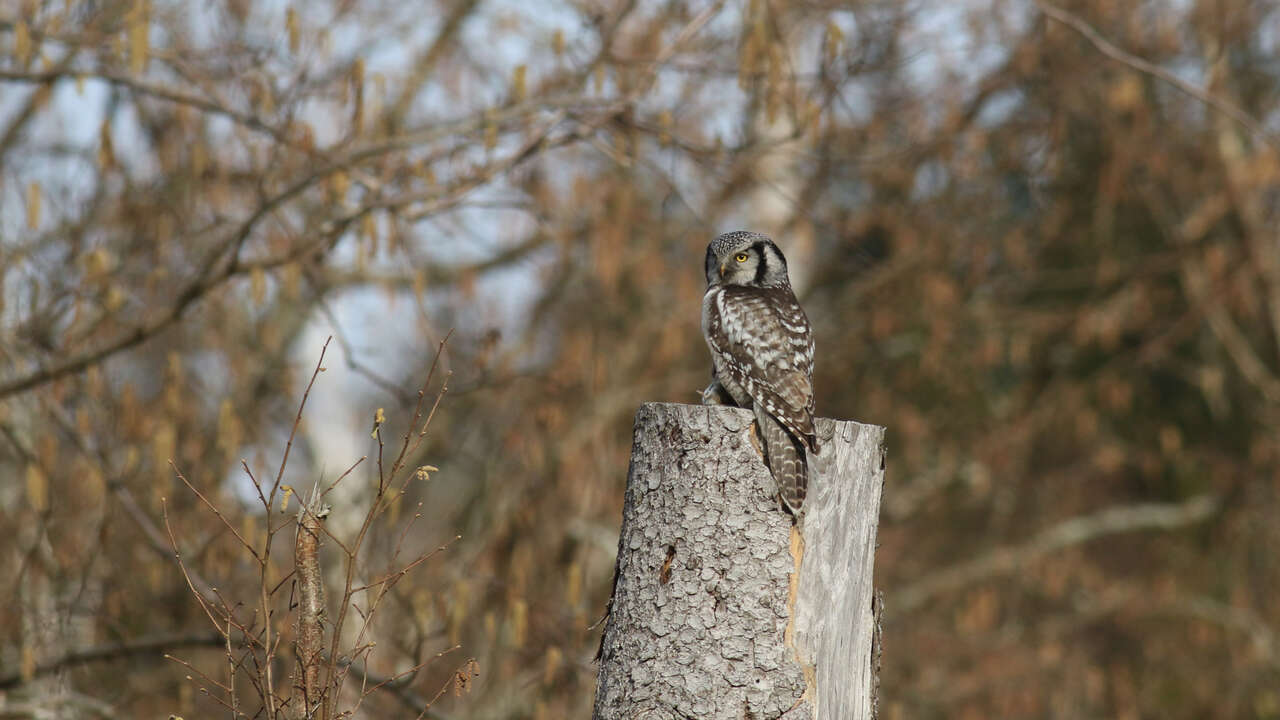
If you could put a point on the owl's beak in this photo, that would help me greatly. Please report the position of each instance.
(721, 271)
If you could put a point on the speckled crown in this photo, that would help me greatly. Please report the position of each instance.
(736, 238)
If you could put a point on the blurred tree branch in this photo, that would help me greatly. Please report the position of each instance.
(1111, 50)
(1077, 530)
(425, 64)
(150, 647)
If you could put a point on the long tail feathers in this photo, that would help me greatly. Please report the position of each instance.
(786, 459)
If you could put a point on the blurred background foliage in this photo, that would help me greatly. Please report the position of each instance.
(1036, 241)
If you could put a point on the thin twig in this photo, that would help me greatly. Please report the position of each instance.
(214, 509)
(231, 673)
(197, 671)
(407, 697)
(293, 431)
(417, 411)
(349, 353)
(177, 556)
(334, 678)
(155, 538)
(204, 690)
(334, 484)
(396, 575)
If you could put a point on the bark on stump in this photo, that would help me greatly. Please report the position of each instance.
(720, 608)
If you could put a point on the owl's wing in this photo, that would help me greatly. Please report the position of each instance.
(788, 396)
(765, 337)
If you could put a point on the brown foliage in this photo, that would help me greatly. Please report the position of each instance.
(1036, 241)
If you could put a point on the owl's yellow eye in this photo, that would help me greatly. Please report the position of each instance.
(740, 257)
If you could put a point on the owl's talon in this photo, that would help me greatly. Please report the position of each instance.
(715, 394)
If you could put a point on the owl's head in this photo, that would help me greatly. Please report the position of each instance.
(746, 258)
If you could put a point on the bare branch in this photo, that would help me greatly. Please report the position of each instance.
(177, 556)
(293, 431)
(144, 647)
(425, 64)
(217, 512)
(1078, 530)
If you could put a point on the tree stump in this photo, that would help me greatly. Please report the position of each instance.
(722, 609)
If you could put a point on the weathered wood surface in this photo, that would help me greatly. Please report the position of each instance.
(710, 618)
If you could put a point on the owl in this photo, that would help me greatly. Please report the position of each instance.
(761, 352)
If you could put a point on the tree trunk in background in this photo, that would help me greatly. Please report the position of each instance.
(772, 206)
(720, 608)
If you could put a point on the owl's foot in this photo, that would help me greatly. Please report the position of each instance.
(715, 394)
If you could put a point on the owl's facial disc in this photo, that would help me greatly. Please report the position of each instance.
(738, 267)
(742, 258)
